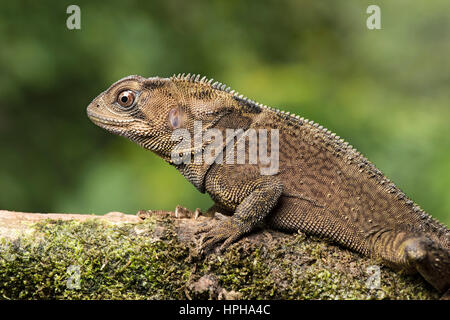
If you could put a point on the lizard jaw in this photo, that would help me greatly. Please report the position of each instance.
(115, 126)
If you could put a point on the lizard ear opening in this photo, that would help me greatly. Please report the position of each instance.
(175, 118)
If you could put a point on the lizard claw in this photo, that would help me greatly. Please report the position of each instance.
(227, 231)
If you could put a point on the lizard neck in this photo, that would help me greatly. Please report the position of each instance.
(194, 173)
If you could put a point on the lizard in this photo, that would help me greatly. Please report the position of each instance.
(323, 185)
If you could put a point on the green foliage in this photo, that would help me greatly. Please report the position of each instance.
(385, 91)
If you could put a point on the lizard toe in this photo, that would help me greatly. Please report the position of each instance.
(225, 231)
(229, 241)
(204, 228)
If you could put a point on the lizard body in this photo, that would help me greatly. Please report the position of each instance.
(323, 186)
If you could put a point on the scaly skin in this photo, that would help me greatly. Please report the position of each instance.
(323, 186)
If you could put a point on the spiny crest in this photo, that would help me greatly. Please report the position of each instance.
(196, 78)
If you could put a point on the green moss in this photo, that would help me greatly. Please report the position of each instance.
(100, 260)
(114, 262)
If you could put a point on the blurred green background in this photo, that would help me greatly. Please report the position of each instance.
(385, 91)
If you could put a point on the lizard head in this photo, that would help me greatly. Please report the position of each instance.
(148, 110)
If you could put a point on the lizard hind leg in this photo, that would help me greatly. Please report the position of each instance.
(430, 260)
(414, 252)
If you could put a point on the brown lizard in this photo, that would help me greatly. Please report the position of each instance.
(321, 186)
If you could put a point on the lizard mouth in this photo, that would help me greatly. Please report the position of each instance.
(113, 125)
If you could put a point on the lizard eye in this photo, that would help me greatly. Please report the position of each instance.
(126, 98)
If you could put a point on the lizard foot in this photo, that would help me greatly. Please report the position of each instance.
(446, 295)
(431, 261)
(226, 230)
(179, 213)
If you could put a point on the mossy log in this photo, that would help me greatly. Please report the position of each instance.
(118, 256)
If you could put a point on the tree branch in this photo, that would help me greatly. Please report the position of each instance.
(154, 256)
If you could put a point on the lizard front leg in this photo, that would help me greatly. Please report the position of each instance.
(252, 199)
